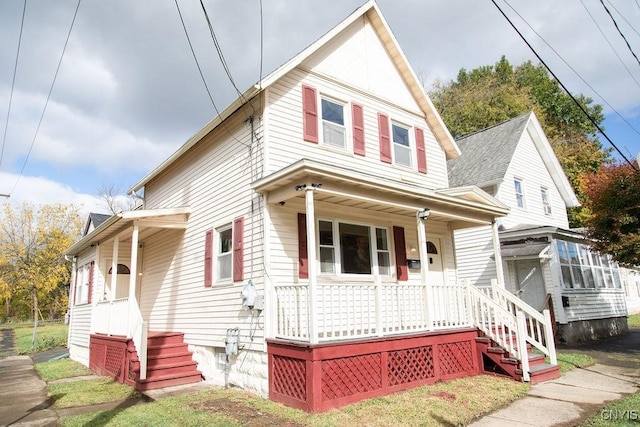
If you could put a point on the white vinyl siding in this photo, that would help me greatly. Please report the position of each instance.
(527, 166)
(474, 254)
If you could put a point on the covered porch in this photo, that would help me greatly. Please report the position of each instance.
(117, 328)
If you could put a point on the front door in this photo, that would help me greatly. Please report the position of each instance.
(434, 254)
(531, 283)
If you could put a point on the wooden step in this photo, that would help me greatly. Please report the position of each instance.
(161, 359)
(164, 338)
(179, 368)
(543, 372)
(535, 359)
(173, 348)
(167, 381)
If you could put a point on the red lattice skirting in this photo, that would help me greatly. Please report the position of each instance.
(320, 377)
(114, 356)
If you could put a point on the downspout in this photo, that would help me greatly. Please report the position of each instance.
(72, 293)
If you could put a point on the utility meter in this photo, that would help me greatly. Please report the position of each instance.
(231, 342)
(249, 295)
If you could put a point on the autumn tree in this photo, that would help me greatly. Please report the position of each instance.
(489, 95)
(614, 201)
(33, 272)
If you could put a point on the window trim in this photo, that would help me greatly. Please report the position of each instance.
(217, 254)
(337, 247)
(410, 148)
(346, 114)
(520, 196)
(546, 201)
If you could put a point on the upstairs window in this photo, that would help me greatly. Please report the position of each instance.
(546, 203)
(333, 124)
(519, 189)
(401, 145)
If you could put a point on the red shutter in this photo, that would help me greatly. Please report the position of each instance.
(422, 154)
(401, 253)
(238, 249)
(309, 114)
(208, 259)
(358, 129)
(91, 266)
(385, 138)
(303, 261)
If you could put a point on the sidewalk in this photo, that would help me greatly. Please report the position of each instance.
(568, 399)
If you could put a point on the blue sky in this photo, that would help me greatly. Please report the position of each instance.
(128, 93)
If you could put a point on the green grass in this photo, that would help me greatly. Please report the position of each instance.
(456, 402)
(62, 368)
(634, 321)
(48, 336)
(89, 392)
(618, 413)
(570, 361)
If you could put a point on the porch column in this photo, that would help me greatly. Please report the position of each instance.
(424, 264)
(133, 276)
(114, 268)
(497, 254)
(312, 266)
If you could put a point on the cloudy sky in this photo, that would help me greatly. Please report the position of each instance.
(128, 92)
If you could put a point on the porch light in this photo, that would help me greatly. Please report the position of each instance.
(424, 214)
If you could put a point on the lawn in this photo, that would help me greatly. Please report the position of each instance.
(570, 361)
(623, 412)
(634, 321)
(48, 336)
(89, 392)
(62, 368)
(452, 403)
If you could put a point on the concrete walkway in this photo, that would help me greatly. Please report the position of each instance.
(580, 393)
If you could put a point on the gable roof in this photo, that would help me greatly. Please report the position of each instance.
(369, 10)
(95, 219)
(486, 156)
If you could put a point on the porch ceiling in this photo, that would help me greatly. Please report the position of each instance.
(149, 222)
(366, 191)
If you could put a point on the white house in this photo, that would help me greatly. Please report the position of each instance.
(300, 245)
(542, 261)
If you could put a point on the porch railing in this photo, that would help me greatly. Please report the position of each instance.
(360, 310)
(122, 317)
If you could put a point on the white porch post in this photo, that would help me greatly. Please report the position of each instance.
(313, 273)
(497, 254)
(133, 274)
(114, 268)
(424, 264)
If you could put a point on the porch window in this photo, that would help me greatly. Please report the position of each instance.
(82, 284)
(583, 268)
(401, 145)
(346, 248)
(224, 247)
(333, 124)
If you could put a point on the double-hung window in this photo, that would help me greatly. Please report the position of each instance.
(224, 252)
(401, 145)
(583, 268)
(546, 203)
(333, 123)
(519, 190)
(346, 248)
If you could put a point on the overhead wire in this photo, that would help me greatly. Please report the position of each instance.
(620, 31)
(13, 82)
(625, 19)
(46, 103)
(572, 69)
(586, 113)
(610, 44)
(204, 81)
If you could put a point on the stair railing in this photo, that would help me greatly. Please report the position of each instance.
(538, 327)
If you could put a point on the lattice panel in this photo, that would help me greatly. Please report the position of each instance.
(347, 376)
(413, 364)
(290, 377)
(96, 355)
(113, 361)
(455, 357)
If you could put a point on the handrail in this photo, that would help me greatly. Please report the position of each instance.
(538, 326)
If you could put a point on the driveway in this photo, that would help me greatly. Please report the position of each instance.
(621, 351)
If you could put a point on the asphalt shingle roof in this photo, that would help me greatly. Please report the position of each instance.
(486, 154)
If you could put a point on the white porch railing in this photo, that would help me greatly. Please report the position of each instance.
(122, 317)
(360, 310)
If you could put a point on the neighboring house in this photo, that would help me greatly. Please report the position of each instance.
(542, 261)
(631, 283)
(300, 245)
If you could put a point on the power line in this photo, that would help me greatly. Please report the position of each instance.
(204, 81)
(625, 19)
(620, 32)
(46, 103)
(610, 45)
(572, 69)
(565, 88)
(13, 82)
